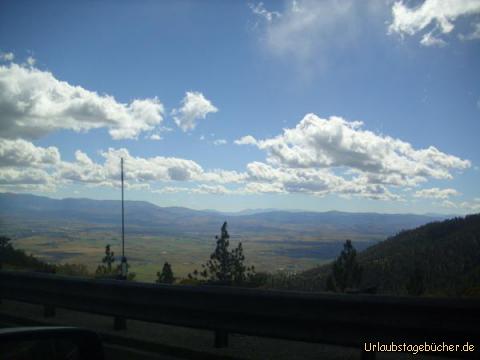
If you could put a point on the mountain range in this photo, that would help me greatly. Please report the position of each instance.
(39, 212)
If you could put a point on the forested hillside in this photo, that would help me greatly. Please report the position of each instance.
(440, 258)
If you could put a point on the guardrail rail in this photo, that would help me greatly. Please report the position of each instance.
(339, 319)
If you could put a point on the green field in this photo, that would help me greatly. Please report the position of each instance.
(146, 254)
(73, 242)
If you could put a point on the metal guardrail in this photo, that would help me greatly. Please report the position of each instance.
(346, 320)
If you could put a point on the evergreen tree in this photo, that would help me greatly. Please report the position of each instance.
(107, 261)
(416, 282)
(166, 276)
(346, 271)
(225, 267)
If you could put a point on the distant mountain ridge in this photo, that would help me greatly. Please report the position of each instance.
(145, 217)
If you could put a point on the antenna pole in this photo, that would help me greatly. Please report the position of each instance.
(123, 215)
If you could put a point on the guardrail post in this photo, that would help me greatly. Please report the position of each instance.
(119, 323)
(221, 338)
(49, 311)
(368, 355)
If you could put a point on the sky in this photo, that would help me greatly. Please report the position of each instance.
(316, 105)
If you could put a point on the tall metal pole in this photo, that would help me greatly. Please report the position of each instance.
(123, 216)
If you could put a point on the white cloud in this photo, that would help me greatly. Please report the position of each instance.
(171, 190)
(319, 182)
(436, 193)
(303, 30)
(155, 137)
(317, 157)
(159, 130)
(246, 140)
(472, 206)
(7, 56)
(222, 176)
(335, 156)
(309, 31)
(474, 35)
(13, 176)
(23, 153)
(259, 10)
(31, 61)
(26, 167)
(439, 14)
(194, 108)
(337, 143)
(449, 204)
(263, 188)
(219, 142)
(430, 40)
(139, 170)
(200, 189)
(212, 189)
(83, 170)
(34, 103)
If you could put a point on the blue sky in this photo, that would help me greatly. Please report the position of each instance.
(196, 97)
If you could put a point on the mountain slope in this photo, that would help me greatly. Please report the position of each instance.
(440, 257)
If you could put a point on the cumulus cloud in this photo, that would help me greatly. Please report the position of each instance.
(439, 14)
(26, 167)
(7, 56)
(83, 170)
(21, 162)
(155, 137)
(336, 156)
(338, 143)
(194, 108)
(34, 103)
(317, 157)
(436, 193)
(265, 178)
(140, 170)
(263, 188)
(23, 153)
(246, 140)
(13, 176)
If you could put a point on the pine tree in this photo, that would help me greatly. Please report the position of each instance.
(109, 258)
(166, 276)
(416, 282)
(107, 261)
(225, 267)
(346, 272)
